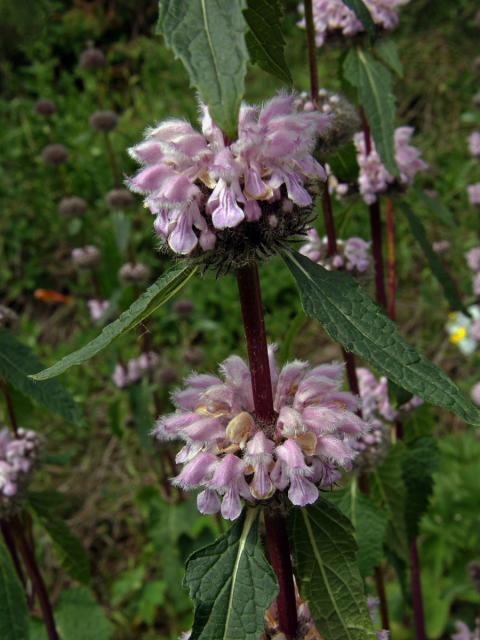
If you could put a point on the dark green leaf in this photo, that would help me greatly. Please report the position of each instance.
(324, 553)
(17, 362)
(231, 584)
(387, 50)
(438, 209)
(350, 317)
(419, 462)
(369, 522)
(153, 298)
(142, 416)
(363, 14)
(80, 617)
(265, 40)
(209, 38)
(436, 266)
(68, 547)
(14, 618)
(388, 490)
(374, 84)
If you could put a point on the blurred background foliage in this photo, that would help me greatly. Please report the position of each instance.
(118, 502)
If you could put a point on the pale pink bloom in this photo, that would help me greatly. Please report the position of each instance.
(473, 259)
(85, 257)
(352, 255)
(228, 455)
(97, 308)
(463, 632)
(333, 16)
(441, 246)
(476, 284)
(474, 143)
(197, 184)
(375, 402)
(374, 177)
(474, 194)
(18, 454)
(135, 369)
(475, 393)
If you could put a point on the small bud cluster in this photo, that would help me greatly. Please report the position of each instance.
(97, 308)
(119, 199)
(473, 261)
(306, 629)
(45, 107)
(343, 119)
(104, 121)
(464, 331)
(18, 454)
(374, 177)
(55, 154)
(230, 454)
(134, 272)
(72, 206)
(134, 370)
(206, 191)
(352, 254)
(92, 58)
(333, 16)
(86, 257)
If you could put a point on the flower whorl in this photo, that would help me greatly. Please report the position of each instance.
(229, 455)
(18, 454)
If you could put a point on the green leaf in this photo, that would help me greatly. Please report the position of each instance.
(388, 490)
(231, 584)
(209, 38)
(71, 554)
(387, 51)
(154, 297)
(17, 362)
(80, 617)
(374, 84)
(438, 209)
(14, 618)
(436, 266)
(369, 522)
(142, 416)
(265, 41)
(324, 553)
(350, 317)
(419, 462)
(363, 14)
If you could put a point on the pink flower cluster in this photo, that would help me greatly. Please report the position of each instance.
(134, 370)
(197, 184)
(374, 177)
(352, 254)
(333, 16)
(229, 455)
(375, 401)
(17, 457)
(474, 143)
(86, 257)
(97, 308)
(462, 631)
(473, 261)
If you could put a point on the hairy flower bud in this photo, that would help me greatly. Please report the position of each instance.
(134, 272)
(55, 154)
(45, 107)
(104, 121)
(119, 199)
(72, 206)
(92, 58)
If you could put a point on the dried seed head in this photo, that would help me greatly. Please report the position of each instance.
(55, 154)
(183, 307)
(104, 121)
(92, 58)
(45, 107)
(119, 199)
(72, 206)
(134, 272)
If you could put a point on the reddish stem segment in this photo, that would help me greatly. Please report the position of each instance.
(377, 250)
(417, 599)
(382, 596)
(254, 325)
(312, 50)
(277, 538)
(30, 563)
(391, 258)
(10, 543)
(279, 554)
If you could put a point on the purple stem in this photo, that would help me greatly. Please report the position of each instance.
(417, 599)
(277, 539)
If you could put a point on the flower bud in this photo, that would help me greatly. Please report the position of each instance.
(72, 206)
(92, 58)
(103, 121)
(86, 257)
(45, 107)
(55, 154)
(119, 199)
